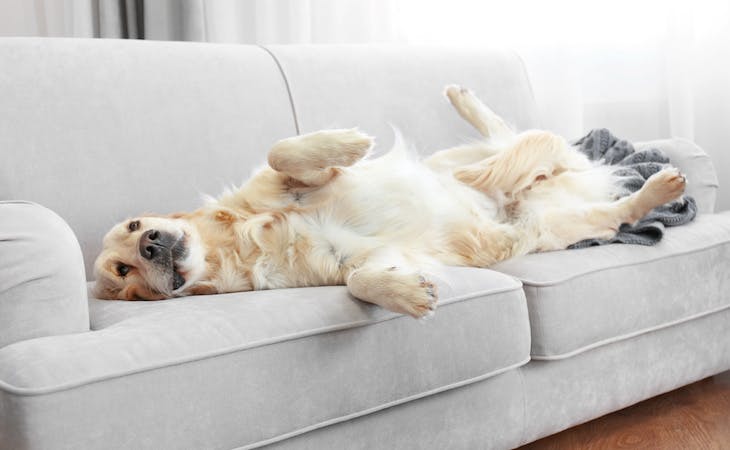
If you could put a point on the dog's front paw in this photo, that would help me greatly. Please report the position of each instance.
(345, 147)
(319, 150)
(341, 147)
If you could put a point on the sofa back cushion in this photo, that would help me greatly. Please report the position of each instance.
(378, 87)
(101, 130)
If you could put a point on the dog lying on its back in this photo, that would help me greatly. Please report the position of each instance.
(321, 214)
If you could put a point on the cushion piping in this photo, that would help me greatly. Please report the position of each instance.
(30, 391)
(390, 404)
(572, 277)
(625, 336)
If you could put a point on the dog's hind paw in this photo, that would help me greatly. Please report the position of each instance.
(456, 94)
(664, 186)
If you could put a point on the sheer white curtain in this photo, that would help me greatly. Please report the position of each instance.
(237, 21)
(645, 69)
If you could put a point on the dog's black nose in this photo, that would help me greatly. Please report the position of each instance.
(149, 247)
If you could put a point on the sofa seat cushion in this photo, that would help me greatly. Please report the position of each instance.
(263, 365)
(581, 299)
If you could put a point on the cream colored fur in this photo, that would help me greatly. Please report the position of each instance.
(323, 214)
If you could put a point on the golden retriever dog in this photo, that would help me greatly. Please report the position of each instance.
(324, 214)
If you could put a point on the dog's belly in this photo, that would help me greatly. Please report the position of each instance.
(396, 196)
(393, 203)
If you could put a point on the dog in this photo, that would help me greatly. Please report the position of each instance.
(322, 213)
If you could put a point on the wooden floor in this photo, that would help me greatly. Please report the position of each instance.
(693, 417)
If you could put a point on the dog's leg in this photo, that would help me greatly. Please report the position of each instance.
(535, 156)
(313, 159)
(490, 125)
(559, 229)
(471, 109)
(449, 159)
(386, 278)
(483, 243)
(299, 165)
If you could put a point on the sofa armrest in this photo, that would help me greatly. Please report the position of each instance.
(42, 281)
(695, 164)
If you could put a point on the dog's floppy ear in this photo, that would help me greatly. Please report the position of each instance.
(203, 289)
(104, 289)
(138, 292)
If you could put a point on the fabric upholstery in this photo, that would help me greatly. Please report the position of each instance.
(101, 130)
(367, 86)
(565, 393)
(556, 395)
(186, 373)
(42, 282)
(579, 299)
(485, 415)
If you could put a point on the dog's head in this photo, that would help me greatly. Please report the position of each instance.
(149, 258)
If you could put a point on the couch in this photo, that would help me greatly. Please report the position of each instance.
(99, 130)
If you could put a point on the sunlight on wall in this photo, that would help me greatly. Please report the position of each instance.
(525, 22)
(573, 22)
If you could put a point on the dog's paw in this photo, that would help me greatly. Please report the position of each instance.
(315, 151)
(424, 304)
(396, 290)
(412, 294)
(350, 145)
(456, 94)
(664, 186)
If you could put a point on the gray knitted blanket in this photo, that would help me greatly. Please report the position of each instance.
(634, 168)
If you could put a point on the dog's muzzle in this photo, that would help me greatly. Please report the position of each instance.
(156, 246)
(164, 250)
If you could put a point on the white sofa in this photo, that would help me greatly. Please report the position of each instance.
(98, 130)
